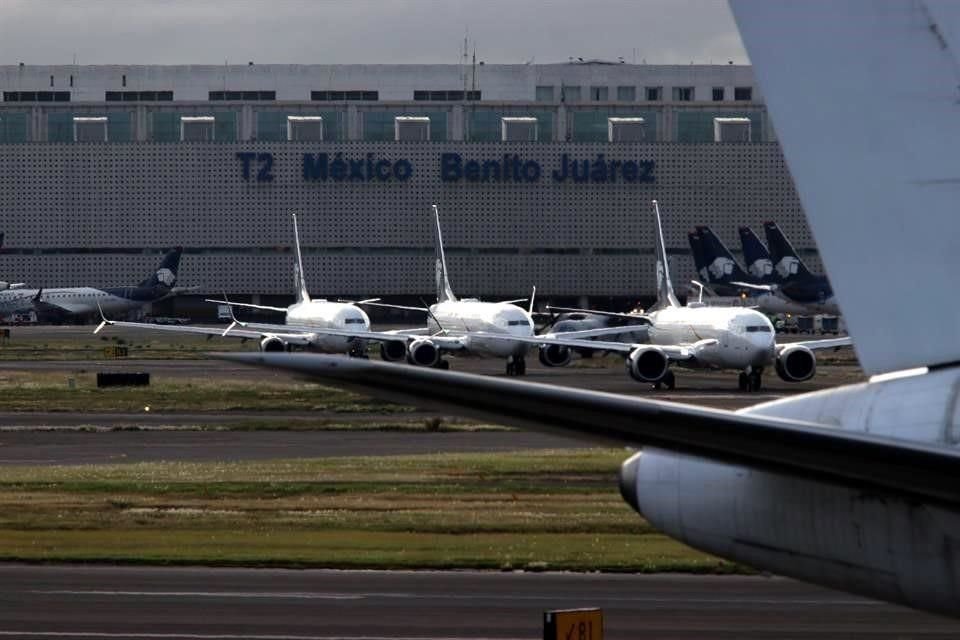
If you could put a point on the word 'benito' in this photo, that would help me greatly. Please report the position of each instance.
(512, 168)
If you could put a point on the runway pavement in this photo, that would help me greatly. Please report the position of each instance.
(201, 603)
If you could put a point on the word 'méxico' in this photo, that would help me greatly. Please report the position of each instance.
(507, 168)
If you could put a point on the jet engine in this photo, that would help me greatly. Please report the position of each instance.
(647, 364)
(4, 286)
(272, 344)
(393, 350)
(796, 363)
(423, 353)
(554, 355)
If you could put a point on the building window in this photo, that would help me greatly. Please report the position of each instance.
(453, 95)
(654, 94)
(340, 96)
(518, 129)
(197, 128)
(90, 129)
(242, 95)
(123, 81)
(71, 79)
(718, 94)
(305, 128)
(626, 94)
(138, 96)
(599, 94)
(411, 129)
(731, 130)
(545, 93)
(683, 94)
(51, 81)
(743, 93)
(36, 96)
(626, 129)
(569, 94)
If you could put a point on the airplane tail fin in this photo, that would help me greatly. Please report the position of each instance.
(166, 273)
(444, 292)
(665, 295)
(721, 265)
(756, 256)
(299, 282)
(784, 257)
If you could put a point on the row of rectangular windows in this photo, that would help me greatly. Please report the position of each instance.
(544, 93)
(547, 93)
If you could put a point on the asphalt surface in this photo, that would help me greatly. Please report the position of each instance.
(239, 604)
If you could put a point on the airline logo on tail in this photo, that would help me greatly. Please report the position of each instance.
(761, 268)
(720, 268)
(788, 266)
(166, 277)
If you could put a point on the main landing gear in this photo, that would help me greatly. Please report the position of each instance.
(358, 350)
(668, 381)
(442, 364)
(516, 366)
(751, 380)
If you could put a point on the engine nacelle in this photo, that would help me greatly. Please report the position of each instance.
(647, 364)
(423, 353)
(875, 544)
(796, 363)
(393, 350)
(554, 355)
(272, 344)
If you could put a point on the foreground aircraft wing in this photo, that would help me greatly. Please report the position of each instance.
(799, 448)
(284, 333)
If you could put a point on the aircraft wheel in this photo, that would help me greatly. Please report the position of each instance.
(521, 367)
(756, 381)
(743, 382)
(443, 364)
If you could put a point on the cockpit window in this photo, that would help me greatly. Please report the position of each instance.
(353, 321)
(758, 328)
(514, 323)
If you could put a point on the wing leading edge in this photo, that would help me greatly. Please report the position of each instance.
(794, 447)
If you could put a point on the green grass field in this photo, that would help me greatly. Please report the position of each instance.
(531, 510)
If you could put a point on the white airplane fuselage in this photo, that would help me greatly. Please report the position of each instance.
(745, 338)
(80, 300)
(329, 315)
(470, 316)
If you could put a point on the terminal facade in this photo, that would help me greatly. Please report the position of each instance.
(543, 174)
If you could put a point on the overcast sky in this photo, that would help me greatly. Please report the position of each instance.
(365, 31)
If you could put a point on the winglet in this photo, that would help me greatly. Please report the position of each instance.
(103, 320)
(533, 296)
(665, 295)
(233, 318)
(444, 292)
(299, 280)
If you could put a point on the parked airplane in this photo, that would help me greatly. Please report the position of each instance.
(701, 337)
(79, 303)
(318, 325)
(853, 488)
(724, 275)
(470, 327)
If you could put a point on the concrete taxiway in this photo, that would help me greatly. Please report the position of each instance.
(250, 604)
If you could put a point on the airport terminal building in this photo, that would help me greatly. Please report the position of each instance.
(543, 173)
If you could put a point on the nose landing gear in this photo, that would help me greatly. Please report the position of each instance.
(516, 366)
(751, 380)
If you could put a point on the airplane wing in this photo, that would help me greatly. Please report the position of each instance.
(284, 333)
(673, 352)
(590, 333)
(45, 306)
(798, 448)
(827, 343)
(247, 305)
(608, 314)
